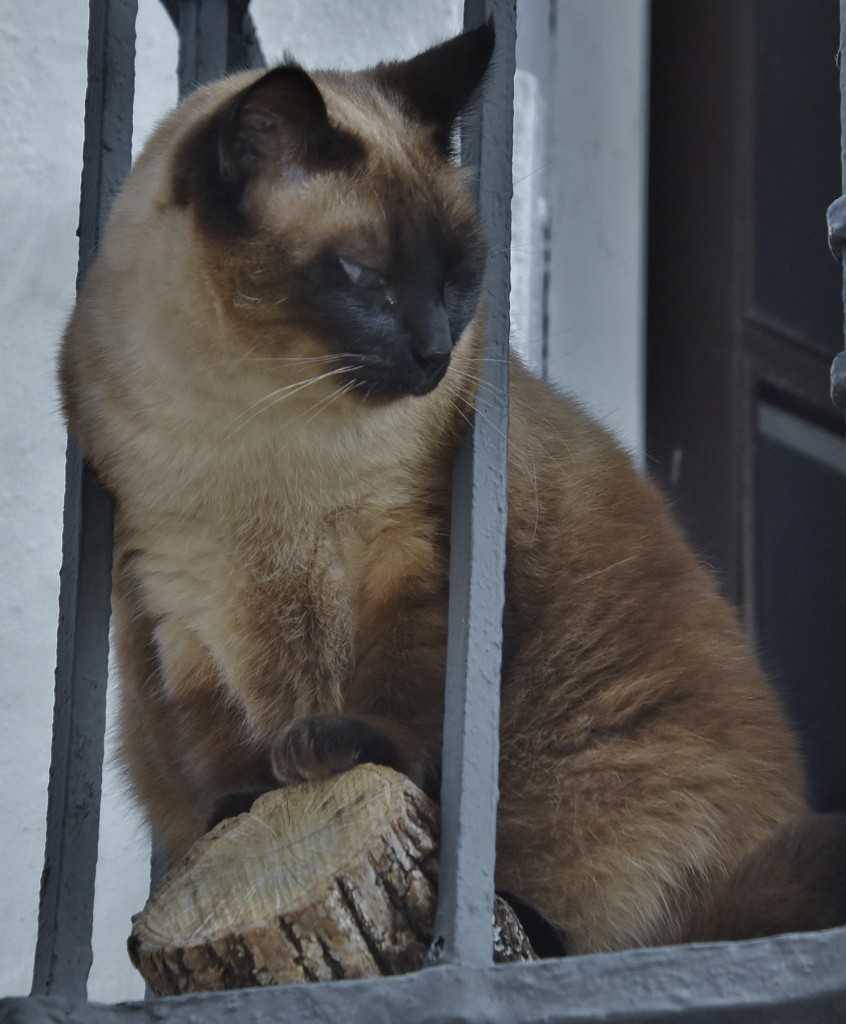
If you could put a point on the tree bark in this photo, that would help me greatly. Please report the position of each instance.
(332, 879)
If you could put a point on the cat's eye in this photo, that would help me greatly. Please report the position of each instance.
(361, 276)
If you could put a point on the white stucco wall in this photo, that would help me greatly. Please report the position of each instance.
(42, 88)
(597, 196)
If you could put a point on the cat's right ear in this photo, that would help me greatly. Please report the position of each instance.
(437, 85)
(277, 127)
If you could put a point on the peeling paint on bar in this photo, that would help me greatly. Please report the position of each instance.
(63, 948)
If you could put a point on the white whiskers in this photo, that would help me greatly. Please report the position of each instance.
(320, 407)
(247, 358)
(279, 395)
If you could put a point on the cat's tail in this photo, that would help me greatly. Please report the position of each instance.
(795, 881)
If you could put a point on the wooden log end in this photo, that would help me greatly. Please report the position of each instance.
(326, 880)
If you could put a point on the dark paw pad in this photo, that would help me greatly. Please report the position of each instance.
(322, 745)
(233, 804)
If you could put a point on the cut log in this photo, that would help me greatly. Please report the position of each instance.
(331, 879)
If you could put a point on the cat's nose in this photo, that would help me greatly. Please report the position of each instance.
(431, 346)
(434, 364)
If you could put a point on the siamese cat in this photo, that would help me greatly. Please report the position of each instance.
(271, 365)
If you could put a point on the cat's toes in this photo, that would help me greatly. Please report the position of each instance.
(320, 745)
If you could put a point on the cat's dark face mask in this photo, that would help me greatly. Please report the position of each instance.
(398, 325)
(391, 296)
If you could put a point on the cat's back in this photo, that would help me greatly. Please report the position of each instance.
(626, 680)
(597, 556)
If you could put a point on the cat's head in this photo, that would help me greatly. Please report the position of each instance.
(337, 227)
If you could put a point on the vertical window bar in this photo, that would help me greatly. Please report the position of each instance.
(203, 34)
(63, 948)
(479, 514)
(837, 217)
(243, 48)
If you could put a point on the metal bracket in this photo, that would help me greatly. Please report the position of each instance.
(836, 217)
(838, 381)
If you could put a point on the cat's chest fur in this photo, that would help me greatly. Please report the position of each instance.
(271, 597)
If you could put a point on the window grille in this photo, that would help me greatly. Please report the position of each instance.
(788, 978)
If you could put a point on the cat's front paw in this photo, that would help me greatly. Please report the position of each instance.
(320, 745)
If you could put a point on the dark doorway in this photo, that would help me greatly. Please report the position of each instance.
(745, 315)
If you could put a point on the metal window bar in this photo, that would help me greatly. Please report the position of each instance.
(777, 981)
(215, 37)
(63, 950)
(477, 547)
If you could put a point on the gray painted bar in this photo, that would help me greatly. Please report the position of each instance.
(469, 790)
(242, 46)
(63, 947)
(798, 979)
(203, 34)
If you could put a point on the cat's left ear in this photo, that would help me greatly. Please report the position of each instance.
(280, 122)
(277, 127)
(437, 84)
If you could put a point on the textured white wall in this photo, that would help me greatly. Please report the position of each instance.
(42, 88)
(598, 208)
